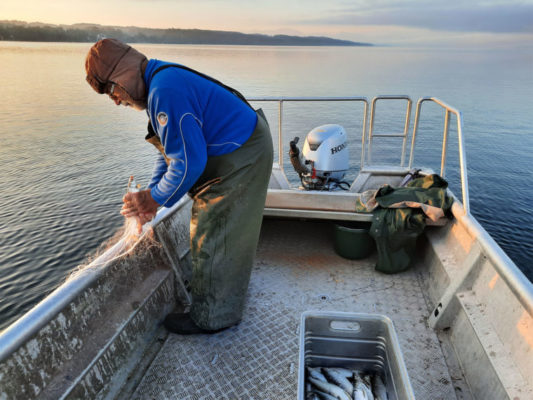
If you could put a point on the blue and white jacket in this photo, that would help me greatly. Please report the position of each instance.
(194, 118)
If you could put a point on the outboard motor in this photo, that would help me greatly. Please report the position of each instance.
(325, 158)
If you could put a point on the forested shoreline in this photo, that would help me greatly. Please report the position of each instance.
(37, 32)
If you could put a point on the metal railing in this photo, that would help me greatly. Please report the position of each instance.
(371, 134)
(282, 100)
(460, 139)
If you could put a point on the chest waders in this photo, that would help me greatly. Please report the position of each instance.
(228, 202)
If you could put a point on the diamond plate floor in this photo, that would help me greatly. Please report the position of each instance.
(296, 270)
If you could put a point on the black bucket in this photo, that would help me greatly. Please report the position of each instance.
(353, 241)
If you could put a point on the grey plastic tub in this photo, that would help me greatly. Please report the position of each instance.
(365, 342)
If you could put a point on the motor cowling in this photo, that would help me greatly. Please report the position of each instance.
(324, 160)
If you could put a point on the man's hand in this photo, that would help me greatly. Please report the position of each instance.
(140, 205)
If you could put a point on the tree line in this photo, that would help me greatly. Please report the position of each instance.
(12, 31)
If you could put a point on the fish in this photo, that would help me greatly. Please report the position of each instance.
(344, 372)
(311, 395)
(323, 396)
(379, 389)
(367, 380)
(361, 390)
(335, 377)
(330, 389)
(316, 374)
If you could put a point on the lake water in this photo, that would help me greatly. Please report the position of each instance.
(66, 153)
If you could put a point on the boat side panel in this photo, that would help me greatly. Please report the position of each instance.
(513, 324)
(173, 234)
(483, 381)
(42, 366)
(446, 249)
(98, 380)
(490, 329)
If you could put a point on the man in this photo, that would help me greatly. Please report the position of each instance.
(215, 147)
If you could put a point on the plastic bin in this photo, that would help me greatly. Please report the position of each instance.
(365, 342)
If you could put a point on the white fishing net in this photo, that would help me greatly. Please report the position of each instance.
(127, 241)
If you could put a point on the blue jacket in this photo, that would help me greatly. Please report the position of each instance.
(194, 119)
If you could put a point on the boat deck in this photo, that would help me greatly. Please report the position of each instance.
(296, 270)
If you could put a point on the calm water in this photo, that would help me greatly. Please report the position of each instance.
(66, 153)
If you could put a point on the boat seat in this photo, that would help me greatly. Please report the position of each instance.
(319, 205)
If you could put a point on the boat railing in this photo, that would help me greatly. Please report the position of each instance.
(372, 135)
(282, 100)
(368, 134)
(448, 110)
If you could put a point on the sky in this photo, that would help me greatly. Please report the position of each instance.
(385, 22)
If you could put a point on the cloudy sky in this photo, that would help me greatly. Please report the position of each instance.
(499, 22)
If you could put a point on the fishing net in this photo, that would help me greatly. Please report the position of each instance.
(126, 242)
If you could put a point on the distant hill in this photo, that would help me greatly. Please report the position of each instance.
(40, 32)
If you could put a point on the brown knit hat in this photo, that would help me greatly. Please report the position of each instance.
(112, 61)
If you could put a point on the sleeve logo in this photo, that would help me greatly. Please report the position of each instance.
(162, 118)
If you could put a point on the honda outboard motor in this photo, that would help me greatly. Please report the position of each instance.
(324, 159)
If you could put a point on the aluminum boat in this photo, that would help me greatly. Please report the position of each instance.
(462, 313)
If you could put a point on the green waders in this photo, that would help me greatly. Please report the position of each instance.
(227, 212)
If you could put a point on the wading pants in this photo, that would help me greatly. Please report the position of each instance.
(226, 219)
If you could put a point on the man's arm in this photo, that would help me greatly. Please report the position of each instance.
(160, 168)
(181, 134)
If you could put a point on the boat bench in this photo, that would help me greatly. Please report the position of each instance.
(319, 205)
